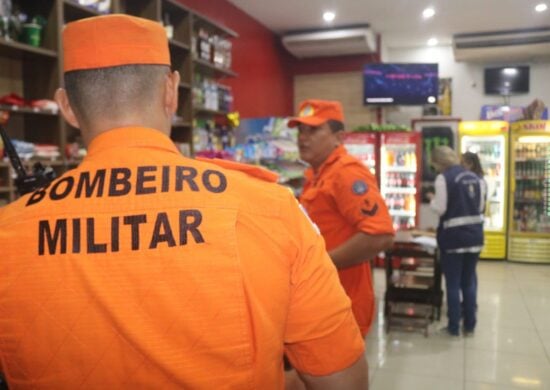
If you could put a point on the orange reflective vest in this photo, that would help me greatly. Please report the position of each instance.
(145, 269)
(342, 198)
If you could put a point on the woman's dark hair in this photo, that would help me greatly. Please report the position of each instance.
(473, 160)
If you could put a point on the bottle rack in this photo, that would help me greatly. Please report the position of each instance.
(35, 73)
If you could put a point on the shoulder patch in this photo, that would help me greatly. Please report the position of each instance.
(251, 170)
(359, 187)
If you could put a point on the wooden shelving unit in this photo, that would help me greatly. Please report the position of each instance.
(206, 111)
(35, 73)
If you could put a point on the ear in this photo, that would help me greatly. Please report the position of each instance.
(171, 93)
(62, 101)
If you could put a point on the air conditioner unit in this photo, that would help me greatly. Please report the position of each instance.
(512, 45)
(327, 43)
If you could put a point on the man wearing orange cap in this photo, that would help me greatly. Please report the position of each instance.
(342, 198)
(144, 269)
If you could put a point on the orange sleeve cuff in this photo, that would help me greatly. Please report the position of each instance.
(332, 353)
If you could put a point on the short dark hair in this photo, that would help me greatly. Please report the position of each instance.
(112, 92)
(335, 126)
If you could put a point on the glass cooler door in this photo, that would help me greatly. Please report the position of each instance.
(398, 164)
(492, 154)
(363, 147)
(531, 202)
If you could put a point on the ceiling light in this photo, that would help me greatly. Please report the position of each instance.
(329, 16)
(432, 41)
(428, 13)
(541, 7)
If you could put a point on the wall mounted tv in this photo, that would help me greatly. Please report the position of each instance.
(506, 80)
(400, 84)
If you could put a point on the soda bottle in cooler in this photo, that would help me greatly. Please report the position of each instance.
(390, 202)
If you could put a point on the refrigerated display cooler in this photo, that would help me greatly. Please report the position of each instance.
(400, 173)
(363, 147)
(489, 139)
(529, 231)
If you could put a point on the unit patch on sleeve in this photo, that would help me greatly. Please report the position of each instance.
(359, 187)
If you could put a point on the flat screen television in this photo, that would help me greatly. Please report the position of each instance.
(400, 84)
(506, 80)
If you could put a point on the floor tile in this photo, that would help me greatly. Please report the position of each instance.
(545, 337)
(512, 340)
(510, 350)
(386, 379)
(491, 386)
(432, 358)
(502, 368)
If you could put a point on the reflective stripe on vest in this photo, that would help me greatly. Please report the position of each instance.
(461, 221)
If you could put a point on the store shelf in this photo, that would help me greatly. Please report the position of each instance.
(181, 124)
(43, 161)
(530, 177)
(212, 69)
(209, 24)
(400, 169)
(402, 213)
(399, 190)
(184, 85)
(27, 110)
(178, 45)
(77, 11)
(538, 201)
(207, 111)
(18, 50)
(4, 189)
(73, 163)
(530, 159)
(4, 164)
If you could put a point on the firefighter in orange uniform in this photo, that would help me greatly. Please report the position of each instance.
(342, 198)
(145, 269)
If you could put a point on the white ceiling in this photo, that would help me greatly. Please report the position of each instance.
(400, 21)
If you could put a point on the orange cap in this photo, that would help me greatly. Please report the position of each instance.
(114, 40)
(316, 112)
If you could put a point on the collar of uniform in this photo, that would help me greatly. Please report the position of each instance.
(127, 137)
(339, 151)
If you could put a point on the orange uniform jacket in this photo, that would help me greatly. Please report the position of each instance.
(144, 269)
(342, 199)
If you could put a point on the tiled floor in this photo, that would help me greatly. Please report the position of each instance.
(510, 349)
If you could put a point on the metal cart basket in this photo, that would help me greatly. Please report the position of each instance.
(413, 295)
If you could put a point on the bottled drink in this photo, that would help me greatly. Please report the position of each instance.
(390, 202)
(390, 158)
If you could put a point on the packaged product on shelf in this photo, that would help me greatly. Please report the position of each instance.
(168, 26)
(204, 47)
(198, 93)
(225, 98)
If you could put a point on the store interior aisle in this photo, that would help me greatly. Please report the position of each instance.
(510, 349)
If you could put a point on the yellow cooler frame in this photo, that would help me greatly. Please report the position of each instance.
(495, 241)
(526, 247)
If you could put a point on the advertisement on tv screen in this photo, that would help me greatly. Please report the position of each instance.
(400, 84)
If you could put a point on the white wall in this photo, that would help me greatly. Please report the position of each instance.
(468, 95)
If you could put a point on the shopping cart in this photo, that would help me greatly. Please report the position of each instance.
(413, 295)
